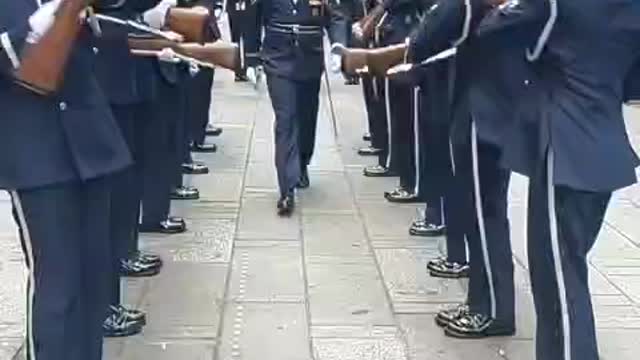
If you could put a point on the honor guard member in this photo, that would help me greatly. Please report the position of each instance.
(199, 95)
(245, 27)
(60, 146)
(571, 141)
(373, 101)
(128, 85)
(294, 62)
(488, 75)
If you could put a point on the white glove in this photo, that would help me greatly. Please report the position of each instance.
(251, 74)
(357, 31)
(336, 63)
(168, 55)
(157, 16)
(41, 20)
(194, 69)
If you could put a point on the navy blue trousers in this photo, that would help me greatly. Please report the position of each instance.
(198, 104)
(484, 189)
(295, 104)
(563, 226)
(64, 231)
(402, 151)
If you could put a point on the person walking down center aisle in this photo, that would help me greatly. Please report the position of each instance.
(60, 147)
(293, 58)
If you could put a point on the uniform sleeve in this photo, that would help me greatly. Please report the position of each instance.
(512, 15)
(445, 25)
(12, 40)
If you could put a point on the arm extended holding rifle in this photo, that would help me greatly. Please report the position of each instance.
(39, 64)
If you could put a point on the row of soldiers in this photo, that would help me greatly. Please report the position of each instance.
(95, 159)
(460, 93)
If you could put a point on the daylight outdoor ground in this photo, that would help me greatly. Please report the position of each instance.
(341, 280)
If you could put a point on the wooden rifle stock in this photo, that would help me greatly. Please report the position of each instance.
(222, 54)
(368, 23)
(196, 24)
(382, 59)
(42, 65)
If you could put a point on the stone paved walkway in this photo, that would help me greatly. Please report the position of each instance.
(341, 280)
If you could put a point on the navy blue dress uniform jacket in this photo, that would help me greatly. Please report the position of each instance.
(402, 17)
(301, 56)
(69, 136)
(125, 79)
(573, 101)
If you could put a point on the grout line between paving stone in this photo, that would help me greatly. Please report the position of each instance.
(237, 328)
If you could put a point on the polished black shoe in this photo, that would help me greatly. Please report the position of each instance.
(304, 181)
(423, 228)
(118, 326)
(137, 268)
(286, 205)
(369, 151)
(241, 78)
(401, 196)
(352, 80)
(204, 148)
(446, 316)
(477, 326)
(378, 171)
(366, 137)
(442, 268)
(164, 227)
(213, 130)
(177, 219)
(146, 258)
(185, 193)
(195, 168)
(130, 315)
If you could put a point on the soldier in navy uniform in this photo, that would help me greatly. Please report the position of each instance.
(128, 83)
(560, 124)
(59, 153)
(488, 75)
(245, 26)
(293, 59)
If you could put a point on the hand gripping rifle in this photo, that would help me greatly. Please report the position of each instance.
(42, 64)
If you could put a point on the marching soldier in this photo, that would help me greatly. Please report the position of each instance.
(560, 124)
(60, 146)
(294, 61)
(244, 23)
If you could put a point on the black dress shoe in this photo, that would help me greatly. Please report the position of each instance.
(241, 78)
(369, 151)
(185, 193)
(378, 171)
(164, 227)
(286, 205)
(204, 148)
(137, 268)
(213, 130)
(195, 168)
(423, 228)
(352, 80)
(177, 219)
(445, 317)
(130, 315)
(449, 270)
(477, 326)
(401, 196)
(146, 258)
(366, 137)
(118, 326)
(304, 181)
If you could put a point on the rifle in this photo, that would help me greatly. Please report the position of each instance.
(196, 24)
(222, 54)
(42, 65)
(363, 30)
(377, 60)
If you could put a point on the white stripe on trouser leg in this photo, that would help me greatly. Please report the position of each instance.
(480, 217)
(387, 104)
(557, 258)
(7, 45)
(26, 237)
(241, 45)
(416, 136)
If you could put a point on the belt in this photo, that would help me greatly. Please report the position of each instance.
(295, 29)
